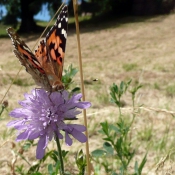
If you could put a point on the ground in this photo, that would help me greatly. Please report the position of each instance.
(142, 50)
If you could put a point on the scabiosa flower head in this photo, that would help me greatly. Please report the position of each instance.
(43, 115)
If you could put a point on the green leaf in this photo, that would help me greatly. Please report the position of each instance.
(136, 168)
(108, 147)
(142, 164)
(105, 127)
(115, 88)
(33, 168)
(26, 146)
(114, 128)
(114, 173)
(98, 153)
(46, 155)
(53, 155)
(50, 169)
(76, 89)
(113, 92)
(68, 76)
(81, 162)
(80, 159)
(37, 173)
(122, 84)
(64, 153)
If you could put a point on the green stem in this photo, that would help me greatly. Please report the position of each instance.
(133, 106)
(2, 110)
(60, 155)
(119, 107)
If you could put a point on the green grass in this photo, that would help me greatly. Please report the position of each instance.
(156, 86)
(145, 134)
(170, 90)
(103, 98)
(129, 67)
(22, 82)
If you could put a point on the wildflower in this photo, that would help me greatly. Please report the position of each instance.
(43, 116)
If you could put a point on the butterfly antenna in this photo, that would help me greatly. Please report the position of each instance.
(75, 6)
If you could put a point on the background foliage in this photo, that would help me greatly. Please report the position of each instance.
(26, 9)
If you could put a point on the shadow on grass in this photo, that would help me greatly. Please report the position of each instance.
(89, 25)
(107, 22)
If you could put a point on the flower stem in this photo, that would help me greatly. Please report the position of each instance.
(60, 155)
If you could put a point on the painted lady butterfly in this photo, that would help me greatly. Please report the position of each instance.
(46, 65)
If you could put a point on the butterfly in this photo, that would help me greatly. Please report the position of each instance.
(46, 64)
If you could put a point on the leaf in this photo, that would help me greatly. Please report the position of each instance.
(54, 156)
(64, 153)
(114, 128)
(28, 144)
(115, 88)
(142, 164)
(37, 173)
(105, 127)
(136, 168)
(34, 168)
(98, 153)
(108, 147)
(76, 89)
(122, 84)
(113, 173)
(50, 169)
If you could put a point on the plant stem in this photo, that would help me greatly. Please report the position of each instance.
(133, 105)
(2, 109)
(60, 155)
(119, 106)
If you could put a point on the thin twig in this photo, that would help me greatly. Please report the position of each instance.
(81, 78)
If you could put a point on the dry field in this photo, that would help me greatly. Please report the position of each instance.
(143, 51)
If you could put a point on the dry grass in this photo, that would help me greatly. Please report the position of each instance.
(141, 51)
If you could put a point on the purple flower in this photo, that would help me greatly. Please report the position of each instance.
(43, 115)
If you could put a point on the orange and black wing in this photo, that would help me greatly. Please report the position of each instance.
(56, 43)
(28, 59)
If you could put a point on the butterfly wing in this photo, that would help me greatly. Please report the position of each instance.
(28, 59)
(55, 45)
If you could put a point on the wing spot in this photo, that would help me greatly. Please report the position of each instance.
(59, 25)
(64, 33)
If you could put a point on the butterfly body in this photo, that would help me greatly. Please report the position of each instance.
(46, 65)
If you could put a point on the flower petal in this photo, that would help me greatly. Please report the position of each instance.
(78, 127)
(40, 151)
(22, 136)
(83, 105)
(68, 140)
(79, 136)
